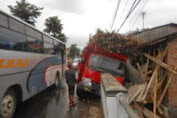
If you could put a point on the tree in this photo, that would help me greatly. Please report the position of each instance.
(74, 51)
(26, 11)
(54, 28)
(62, 37)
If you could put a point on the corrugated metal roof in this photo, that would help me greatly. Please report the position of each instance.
(161, 39)
(170, 24)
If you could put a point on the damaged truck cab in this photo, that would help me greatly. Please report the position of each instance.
(95, 61)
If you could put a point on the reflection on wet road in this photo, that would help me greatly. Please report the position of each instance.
(51, 103)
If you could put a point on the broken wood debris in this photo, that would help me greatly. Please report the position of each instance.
(149, 114)
(154, 88)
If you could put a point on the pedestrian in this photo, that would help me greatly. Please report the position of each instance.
(71, 80)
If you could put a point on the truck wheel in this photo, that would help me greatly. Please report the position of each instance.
(9, 104)
(80, 93)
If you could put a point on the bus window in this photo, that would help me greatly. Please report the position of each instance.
(47, 39)
(56, 43)
(34, 45)
(11, 40)
(3, 21)
(48, 48)
(16, 26)
(56, 50)
(33, 33)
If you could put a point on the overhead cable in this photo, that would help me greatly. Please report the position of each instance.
(138, 15)
(115, 14)
(135, 14)
(134, 5)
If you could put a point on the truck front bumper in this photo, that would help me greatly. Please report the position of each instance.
(90, 88)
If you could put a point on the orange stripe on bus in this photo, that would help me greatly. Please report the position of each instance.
(10, 63)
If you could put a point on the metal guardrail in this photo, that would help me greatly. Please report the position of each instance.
(114, 98)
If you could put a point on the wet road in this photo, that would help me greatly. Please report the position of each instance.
(51, 103)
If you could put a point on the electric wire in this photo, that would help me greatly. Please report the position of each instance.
(138, 15)
(130, 12)
(132, 7)
(115, 14)
(128, 8)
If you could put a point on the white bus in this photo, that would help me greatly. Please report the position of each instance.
(30, 61)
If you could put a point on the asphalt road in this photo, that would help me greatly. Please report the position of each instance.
(51, 103)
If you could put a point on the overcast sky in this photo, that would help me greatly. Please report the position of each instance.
(81, 18)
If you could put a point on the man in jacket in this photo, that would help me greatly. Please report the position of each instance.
(71, 80)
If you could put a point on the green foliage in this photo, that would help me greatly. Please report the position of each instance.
(54, 28)
(74, 51)
(26, 11)
(62, 37)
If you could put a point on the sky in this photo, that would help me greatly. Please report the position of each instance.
(81, 18)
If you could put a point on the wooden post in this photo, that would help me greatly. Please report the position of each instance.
(148, 113)
(146, 69)
(150, 83)
(155, 95)
(166, 88)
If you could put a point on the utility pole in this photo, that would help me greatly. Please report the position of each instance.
(143, 15)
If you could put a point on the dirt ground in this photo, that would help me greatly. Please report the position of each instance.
(93, 110)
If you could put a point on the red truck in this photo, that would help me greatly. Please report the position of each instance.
(95, 61)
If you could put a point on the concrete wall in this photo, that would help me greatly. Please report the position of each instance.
(114, 98)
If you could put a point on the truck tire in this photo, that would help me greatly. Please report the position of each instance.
(9, 104)
(80, 93)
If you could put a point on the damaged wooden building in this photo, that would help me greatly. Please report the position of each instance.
(160, 47)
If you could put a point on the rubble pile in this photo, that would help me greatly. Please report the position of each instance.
(147, 97)
(114, 42)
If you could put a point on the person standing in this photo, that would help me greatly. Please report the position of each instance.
(71, 80)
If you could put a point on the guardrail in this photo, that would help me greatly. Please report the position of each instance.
(114, 98)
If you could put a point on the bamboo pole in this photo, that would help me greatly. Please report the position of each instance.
(169, 68)
(166, 88)
(155, 95)
(150, 83)
(146, 69)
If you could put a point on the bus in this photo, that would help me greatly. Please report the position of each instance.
(30, 61)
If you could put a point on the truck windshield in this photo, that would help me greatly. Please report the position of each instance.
(106, 64)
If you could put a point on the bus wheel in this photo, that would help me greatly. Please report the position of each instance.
(9, 104)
